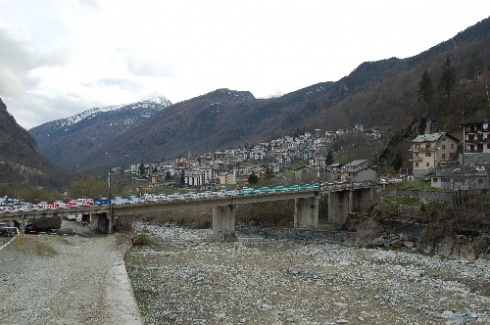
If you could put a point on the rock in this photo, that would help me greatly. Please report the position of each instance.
(409, 244)
(377, 242)
(445, 247)
(386, 241)
(458, 247)
(481, 245)
(468, 252)
(367, 232)
(427, 249)
(403, 237)
(397, 243)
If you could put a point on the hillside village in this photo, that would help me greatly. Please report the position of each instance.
(226, 167)
(439, 157)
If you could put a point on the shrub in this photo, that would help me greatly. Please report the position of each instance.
(142, 239)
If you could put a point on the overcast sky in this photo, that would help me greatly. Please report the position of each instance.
(61, 57)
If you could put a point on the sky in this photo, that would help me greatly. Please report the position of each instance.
(59, 58)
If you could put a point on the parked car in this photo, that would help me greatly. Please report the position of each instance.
(71, 217)
(9, 231)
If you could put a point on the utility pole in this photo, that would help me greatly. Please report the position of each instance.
(109, 181)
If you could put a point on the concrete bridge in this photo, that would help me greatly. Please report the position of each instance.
(343, 199)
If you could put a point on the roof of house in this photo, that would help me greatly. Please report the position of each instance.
(431, 137)
(356, 163)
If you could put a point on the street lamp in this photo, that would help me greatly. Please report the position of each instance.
(109, 181)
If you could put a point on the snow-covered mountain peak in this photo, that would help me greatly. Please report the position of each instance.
(147, 106)
(157, 99)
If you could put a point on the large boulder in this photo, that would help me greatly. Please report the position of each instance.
(462, 247)
(368, 232)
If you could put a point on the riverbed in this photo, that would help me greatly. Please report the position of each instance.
(299, 277)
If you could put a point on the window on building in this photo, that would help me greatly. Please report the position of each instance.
(428, 154)
(427, 145)
(452, 145)
(416, 164)
(427, 164)
(443, 147)
(443, 156)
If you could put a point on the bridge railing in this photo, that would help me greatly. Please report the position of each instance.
(97, 204)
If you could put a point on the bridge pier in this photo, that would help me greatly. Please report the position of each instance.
(104, 222)
(86, 217)
(359, 199)
(343, 203)
(338, 206)
(306, 212)
(224, 222)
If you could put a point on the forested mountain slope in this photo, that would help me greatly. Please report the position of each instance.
(20, 163)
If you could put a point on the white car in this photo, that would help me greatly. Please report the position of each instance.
(176, 196)
(71, 217)
(190, 195)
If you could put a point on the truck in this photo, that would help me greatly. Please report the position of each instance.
(43, 223)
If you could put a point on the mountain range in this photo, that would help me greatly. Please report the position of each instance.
(70, 141)
(383, 94)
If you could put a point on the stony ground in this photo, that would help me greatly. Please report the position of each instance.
(70, 278)
(295, 277)
(267, 277)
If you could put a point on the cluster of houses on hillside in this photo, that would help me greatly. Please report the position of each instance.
(440, 157)
(225, 167)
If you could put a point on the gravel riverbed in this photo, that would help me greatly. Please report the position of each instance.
(298, 277)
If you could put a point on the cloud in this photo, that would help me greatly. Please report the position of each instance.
(17, 61)
(32, 108)
(20, 59)
(124, 84)
(148, 68)
(89, 3)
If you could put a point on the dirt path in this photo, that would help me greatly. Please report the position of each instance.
(65, 279)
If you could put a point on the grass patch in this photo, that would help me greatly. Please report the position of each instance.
(142, 239)
(416, 186)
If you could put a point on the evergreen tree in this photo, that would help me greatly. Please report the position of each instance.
(142, 170)
(182, 178)
(397, 162)
(168, 176)
(475, 67)
(329, 159)
(252, 179)
(448, 77)
(426, 88)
